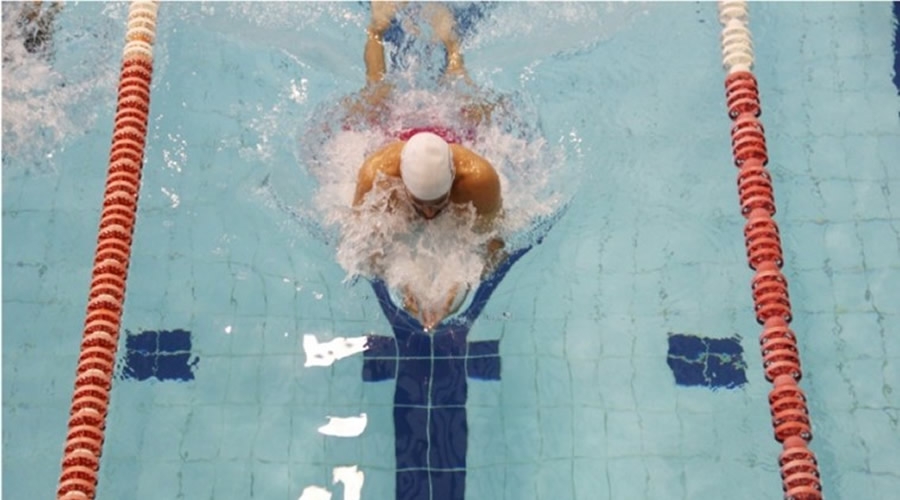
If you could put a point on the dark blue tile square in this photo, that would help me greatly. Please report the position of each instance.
(413, 381)
(145, 342)
(376, 370)
(380, 346)
(686, 346)
(411, 437)
(174, 367)
(175, 341)
(448, 485)
(484, 348)
(484, 368)
(413, 485)
(449, 438)
(730, 346)
(686, 372)
(450, 345)
(725, 372)
(139, 366)
(449, 385)
(416, 345)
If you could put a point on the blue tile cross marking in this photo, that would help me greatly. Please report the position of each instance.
(431, 373)
(164, 354)
(713, 363)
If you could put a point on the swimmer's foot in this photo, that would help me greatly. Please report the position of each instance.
(383, 12)
(443, 24)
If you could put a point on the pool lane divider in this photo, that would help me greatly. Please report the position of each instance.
(781, 359)
(94, 373)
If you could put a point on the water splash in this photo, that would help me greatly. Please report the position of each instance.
(50, 91)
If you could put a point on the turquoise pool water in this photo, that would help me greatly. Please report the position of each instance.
(579, 377)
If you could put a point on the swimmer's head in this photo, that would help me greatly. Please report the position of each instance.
(426, 167)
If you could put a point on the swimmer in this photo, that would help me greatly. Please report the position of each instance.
(436, 171)
(36, 24)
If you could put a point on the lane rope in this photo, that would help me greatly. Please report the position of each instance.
(90, 400)
(778, 343)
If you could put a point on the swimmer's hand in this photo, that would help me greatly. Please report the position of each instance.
(496, 255)
(430, 318)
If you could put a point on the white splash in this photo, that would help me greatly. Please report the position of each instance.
(345, 426)
(315, 493)
(326, 353)
(353, 480)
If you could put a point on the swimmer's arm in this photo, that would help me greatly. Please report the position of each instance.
(479, 184)
(386, 160)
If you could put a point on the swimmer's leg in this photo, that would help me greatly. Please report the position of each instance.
(383, 12)
(369, 104)
(443, 24)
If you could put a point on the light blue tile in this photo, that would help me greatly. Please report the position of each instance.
(555, 479)
(843, 246)
(616, 376)
(307, 446)
(274, 370)
(234, 478)
(274, 423)
(591, 479)
(117, 478)
(863, 337)
(519, 385)
(870, 393)
(203, 433)
(241, 424)
(861, 158)
(838, 199)
(521, 481)
(379, 483)
(213, 286)
(484, 481)
(551, 335)
(377, 442)
(197, 479)
(623, 434)
(164, 432)
(244, 380)
(880, 242)
(521, 433)
(557, 433)
(654, 387)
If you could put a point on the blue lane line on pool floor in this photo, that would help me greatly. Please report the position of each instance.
(707, 362)
(163, 354)
(431, 373)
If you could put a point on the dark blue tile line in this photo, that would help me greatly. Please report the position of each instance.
(431, 372)
(897, 46)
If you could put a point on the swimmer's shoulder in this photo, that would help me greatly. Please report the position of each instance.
(476, 180)
(386, 161)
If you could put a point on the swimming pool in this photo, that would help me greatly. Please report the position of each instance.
(616, 359)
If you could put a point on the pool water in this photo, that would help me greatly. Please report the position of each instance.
(614, 356)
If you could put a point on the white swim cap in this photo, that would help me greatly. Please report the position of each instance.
(426, 166)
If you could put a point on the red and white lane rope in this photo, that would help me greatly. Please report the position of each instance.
(87, 421)
(781, 360)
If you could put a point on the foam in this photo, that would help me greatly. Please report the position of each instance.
(52, 95)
